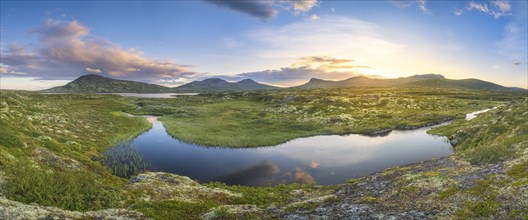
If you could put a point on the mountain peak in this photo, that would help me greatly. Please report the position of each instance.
(93, 83)
(90, 76)
(316, 80)
(213, 80)
(247, 81)
(217, 84)
(427, 76)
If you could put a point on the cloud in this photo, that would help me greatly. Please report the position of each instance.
(421, 4)
(478, 7)
(315, 17)
(314, 164)
(93, 70)
(303, 5)
(262, 9)
(66, 50)
(260, 174)
(265, 9)
(296, 176)
(503, 6)
(458, 12)
(498, 8)
(304, 69)
(513, 45)
(330, 35)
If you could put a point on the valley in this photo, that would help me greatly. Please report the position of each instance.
(58, 140)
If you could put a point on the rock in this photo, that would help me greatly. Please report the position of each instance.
(15, 210)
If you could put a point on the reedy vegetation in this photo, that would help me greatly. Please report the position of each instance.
(264, 118)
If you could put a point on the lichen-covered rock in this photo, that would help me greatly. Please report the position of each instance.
(165, 186)
(16, 210)
(232, 212)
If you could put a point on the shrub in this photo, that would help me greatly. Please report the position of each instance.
(125, 161)
(71, 190)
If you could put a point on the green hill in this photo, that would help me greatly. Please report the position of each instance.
(98, 84)
(421, 81)
(461, 84)
(217, 85)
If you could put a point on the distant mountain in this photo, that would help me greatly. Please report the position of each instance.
(461, 84)
(426, 80)
(217, 85)
(92, 83)
(98, 84)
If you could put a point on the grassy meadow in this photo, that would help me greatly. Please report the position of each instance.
(264, 118)
(52, 147)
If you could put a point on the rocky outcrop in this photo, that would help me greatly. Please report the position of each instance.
(442, 188)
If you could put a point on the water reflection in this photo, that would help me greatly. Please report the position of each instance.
(259, 174)
(152, 95)
(325, 159)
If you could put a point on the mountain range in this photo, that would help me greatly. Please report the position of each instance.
(93, 83)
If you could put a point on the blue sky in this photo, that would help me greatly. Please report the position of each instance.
(280, 42)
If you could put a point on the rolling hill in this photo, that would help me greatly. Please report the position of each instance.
(93, 83)
(422, 81)
(218, 85)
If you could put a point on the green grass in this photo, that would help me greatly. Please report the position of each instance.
(125, 161)
(71, 190)
(264, 196)
(252, 119)
(64, 135)
(173, 209)
(51, 145)
(491, 137)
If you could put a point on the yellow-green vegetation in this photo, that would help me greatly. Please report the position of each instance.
(51, 147)
(250, 119)
(171, 209)
(52, 153)
(71, 190)
(491, 137)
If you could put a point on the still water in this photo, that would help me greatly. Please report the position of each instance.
(325, 159)
(152, 95)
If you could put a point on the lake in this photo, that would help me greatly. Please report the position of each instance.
(152, 95)
(324, 159)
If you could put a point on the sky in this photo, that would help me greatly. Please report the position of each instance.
(278, 42)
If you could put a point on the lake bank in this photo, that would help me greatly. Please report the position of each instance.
(323, 159)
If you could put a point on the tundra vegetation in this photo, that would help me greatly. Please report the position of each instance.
(264, 118)
(53, 151)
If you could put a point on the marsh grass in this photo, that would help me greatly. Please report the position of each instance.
(491, 137)
(71, 190)
(124, 160)
(266, 118)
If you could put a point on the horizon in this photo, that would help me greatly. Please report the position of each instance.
(279, 43)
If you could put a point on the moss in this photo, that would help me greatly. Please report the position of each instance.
(367, 199)
(71, 190)
(447, 193)
(352, 181)
(430, 174)
(276, 195)
(171, 209)
(409, 189)
(486, 203)
(494, 136)
(519, 171)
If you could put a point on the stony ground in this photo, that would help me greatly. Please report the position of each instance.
(443, 188)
